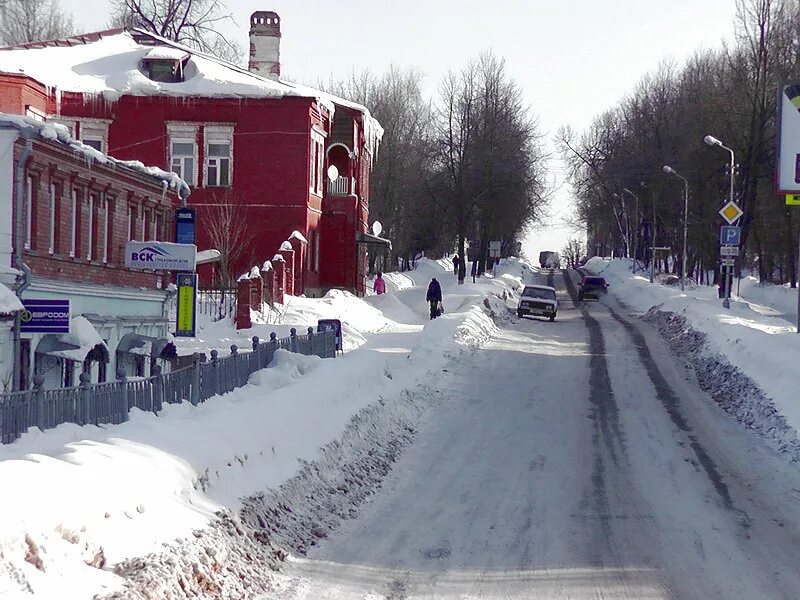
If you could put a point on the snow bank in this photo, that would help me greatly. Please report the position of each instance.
(9, 303)
(86, 499)
(764, 348)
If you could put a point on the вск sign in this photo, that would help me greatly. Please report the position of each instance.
(161, 256)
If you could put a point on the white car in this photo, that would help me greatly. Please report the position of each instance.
(539, 300)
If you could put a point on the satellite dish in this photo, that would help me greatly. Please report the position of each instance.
(333, 173)
(377, 228)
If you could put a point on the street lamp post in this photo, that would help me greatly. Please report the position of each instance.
(670, 171)
(712, 141)
(636, 226)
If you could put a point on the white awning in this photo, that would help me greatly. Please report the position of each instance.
(76, 344)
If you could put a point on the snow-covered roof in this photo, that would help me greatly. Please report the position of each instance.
(9, 303)
(108, 64)
(83, 336)
(166, 53)
(58, 133)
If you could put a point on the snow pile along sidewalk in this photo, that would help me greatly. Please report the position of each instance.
(744, 357)
(86, 501)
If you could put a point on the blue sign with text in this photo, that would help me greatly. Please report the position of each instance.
(730, 235)
(45, 316)
(184, 225)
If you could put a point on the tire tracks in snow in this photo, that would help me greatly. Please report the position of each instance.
(608, 441)
(672, 405)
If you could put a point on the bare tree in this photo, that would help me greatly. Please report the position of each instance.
(228, 232)
(572, 253)
(23, 21)
(191, 22)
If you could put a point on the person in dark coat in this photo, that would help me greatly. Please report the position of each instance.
(434, 296)
(456, 263)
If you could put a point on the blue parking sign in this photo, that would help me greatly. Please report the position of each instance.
(730, 235)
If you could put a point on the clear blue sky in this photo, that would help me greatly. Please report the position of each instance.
(573, 58)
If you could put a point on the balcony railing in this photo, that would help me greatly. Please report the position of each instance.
(339, 186)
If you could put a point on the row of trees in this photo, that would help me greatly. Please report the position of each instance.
(467, 166)
(729, 93)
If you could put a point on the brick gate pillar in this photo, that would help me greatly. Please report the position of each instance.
(243, 299)
(279, 278)
(287, 252)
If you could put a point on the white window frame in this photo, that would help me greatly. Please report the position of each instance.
(153, 221)
(104, 208)
(28, 213)
(129, 233)
(34, 113)
(217, 133)
(316, 163)
(182, 158)
(90, 237)
(74, 224)
(144, 224)
(95, 130)
(316, 252)
(51, 247)
(184, 132)
(217, 160)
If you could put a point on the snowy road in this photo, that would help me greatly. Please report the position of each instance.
(572, 459)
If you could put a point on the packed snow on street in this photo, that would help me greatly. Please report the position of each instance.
(477, 455)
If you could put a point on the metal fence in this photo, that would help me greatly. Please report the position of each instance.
(218, 303)
(110, 403)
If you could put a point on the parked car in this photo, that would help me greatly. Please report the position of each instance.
(591, 287)
(539, 300)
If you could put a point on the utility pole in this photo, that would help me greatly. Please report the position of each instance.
(653, 237)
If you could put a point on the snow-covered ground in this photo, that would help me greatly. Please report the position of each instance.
(77, 501)
(754, 335)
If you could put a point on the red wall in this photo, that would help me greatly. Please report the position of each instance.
(17, 92)
(270, 157)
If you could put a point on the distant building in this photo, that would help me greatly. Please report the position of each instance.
(66, 213)
(255, 150)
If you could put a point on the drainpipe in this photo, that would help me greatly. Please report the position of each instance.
(18, 262)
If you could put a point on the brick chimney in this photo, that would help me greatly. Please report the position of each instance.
(265, 44)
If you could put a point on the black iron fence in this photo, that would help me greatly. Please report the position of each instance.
(110, 403)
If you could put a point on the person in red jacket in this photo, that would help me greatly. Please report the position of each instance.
(380, 285)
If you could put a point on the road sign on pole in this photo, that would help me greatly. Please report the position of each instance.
(731, 212)
(728, 262)
(730, 235)
(729, 250)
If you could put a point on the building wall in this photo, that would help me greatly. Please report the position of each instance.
(115, 299)
(19, 92)
(271, 159)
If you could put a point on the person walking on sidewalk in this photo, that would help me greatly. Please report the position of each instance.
(434, 296)
(380, 285)
(456, 263)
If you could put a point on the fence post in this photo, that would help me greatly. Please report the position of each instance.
(158, 388)
(235, 358)
(123, 394)
(195, 378)
(38, 384)
(256, 343)
(85, 398)
(293, 339)
(311, 351)
(214, 359)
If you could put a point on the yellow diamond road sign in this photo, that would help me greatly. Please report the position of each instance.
(731, 212)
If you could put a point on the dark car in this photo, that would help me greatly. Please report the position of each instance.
(591, 287)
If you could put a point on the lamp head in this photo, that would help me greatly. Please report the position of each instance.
(669, 170)
(712, 141)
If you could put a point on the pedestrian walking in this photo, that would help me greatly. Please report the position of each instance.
(434, 296)
(456, 263)
(380, 285)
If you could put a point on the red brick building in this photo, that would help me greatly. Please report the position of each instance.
(66, 213)
(255, 150)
